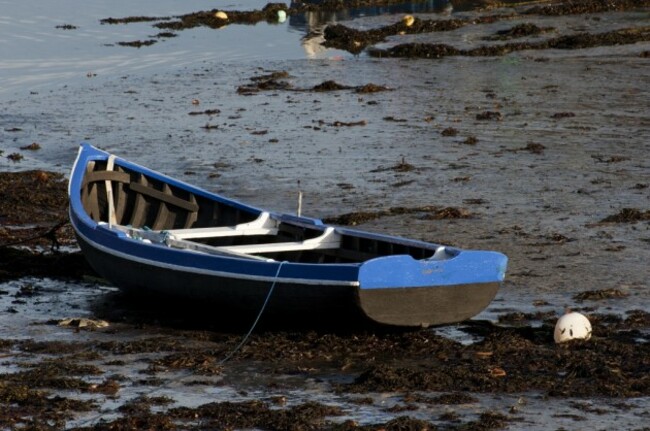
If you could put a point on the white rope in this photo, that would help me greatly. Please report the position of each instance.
(230, 355)
(110, 163)
(250, 331)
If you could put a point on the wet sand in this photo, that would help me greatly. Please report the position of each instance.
(538, 154)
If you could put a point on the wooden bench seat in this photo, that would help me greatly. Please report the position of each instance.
(262, 225)
(329, 239)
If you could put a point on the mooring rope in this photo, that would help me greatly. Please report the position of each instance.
(259, 315)
(224, 360)
(49, 234)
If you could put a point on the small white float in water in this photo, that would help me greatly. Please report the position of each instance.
(282, 16)
(221, 15)
(572, 326)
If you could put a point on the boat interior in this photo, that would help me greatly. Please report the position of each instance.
(151, 210)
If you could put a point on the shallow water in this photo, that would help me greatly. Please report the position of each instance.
(61, 87)
(36, 54)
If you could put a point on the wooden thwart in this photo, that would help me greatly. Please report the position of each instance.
(208, 249)
(329, 239)
(263, 225)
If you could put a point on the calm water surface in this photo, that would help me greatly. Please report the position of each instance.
(37, 52)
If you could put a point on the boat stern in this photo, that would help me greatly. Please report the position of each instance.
(402, 291)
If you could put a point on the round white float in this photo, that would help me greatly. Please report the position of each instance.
(572, 326)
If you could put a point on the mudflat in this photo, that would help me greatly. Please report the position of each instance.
(522, 130)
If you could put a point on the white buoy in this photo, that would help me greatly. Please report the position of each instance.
(572, 326)
(282, 16)
(221, 15)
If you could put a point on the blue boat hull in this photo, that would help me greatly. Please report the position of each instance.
(377, 278)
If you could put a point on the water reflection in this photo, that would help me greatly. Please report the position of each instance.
(314, 22)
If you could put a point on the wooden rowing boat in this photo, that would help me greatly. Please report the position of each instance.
(158, 237)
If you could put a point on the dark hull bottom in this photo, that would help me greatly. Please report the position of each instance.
(300, 306)
(227, 298)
